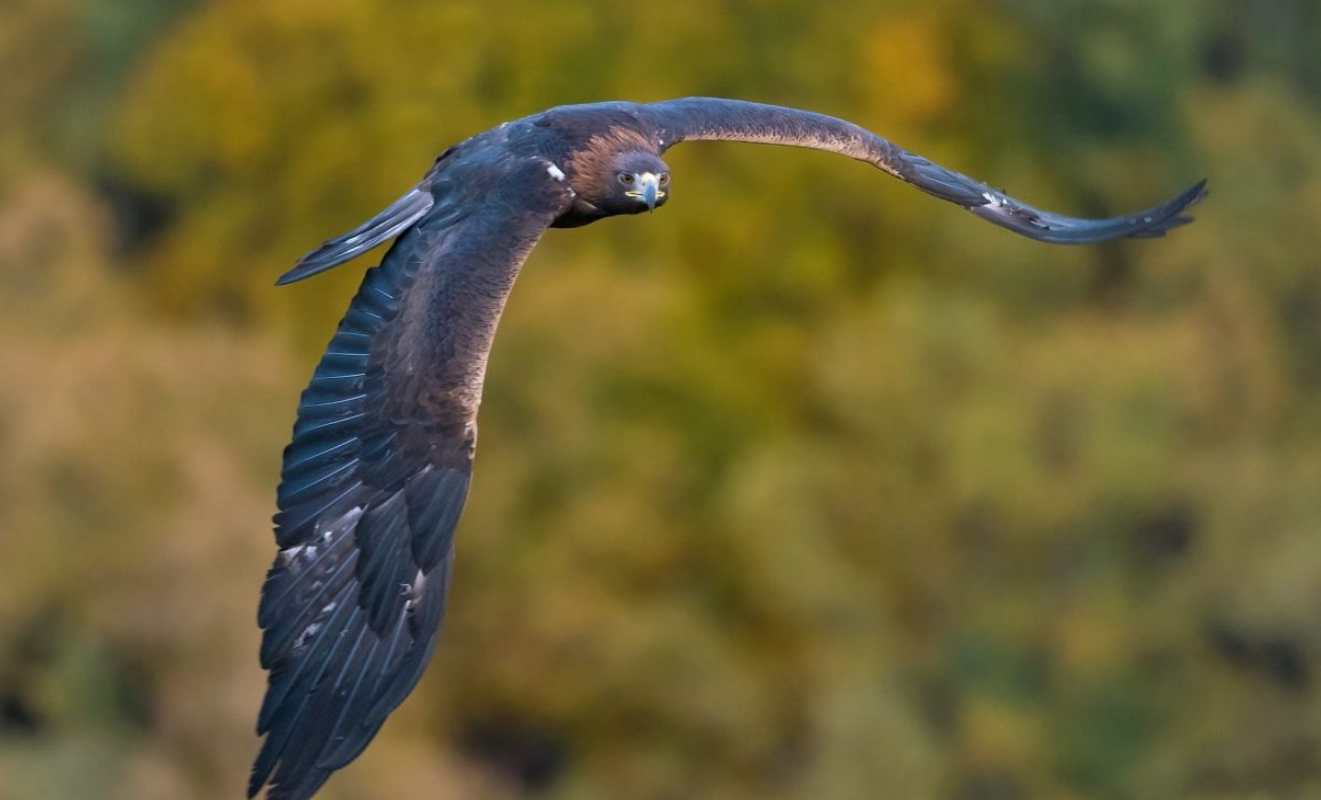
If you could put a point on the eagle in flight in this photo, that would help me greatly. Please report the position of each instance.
(375, 478)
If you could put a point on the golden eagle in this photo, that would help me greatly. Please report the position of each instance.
(376, 476)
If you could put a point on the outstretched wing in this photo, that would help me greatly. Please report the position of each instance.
(696, 118)
(377, 473)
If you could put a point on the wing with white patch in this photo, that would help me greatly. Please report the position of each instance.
(376, 476)
(711, 118)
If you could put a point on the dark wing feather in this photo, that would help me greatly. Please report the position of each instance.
(697, 118)
(377, 473)
(392, 221)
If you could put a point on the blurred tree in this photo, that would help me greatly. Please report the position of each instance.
(835, 493)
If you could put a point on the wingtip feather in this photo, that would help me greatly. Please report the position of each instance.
(1172, 215)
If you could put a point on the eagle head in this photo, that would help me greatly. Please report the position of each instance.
(615, 175)
(637, 181)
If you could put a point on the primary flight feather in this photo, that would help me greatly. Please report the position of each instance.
(376, 476)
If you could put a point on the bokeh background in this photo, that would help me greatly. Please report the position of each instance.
(809, 486)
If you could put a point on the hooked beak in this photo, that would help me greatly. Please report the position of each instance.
(648, 190)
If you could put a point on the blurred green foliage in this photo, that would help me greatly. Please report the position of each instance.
(807, 487)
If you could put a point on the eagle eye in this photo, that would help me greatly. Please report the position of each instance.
(665, 179)
(625, 178)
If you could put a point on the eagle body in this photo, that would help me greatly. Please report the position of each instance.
(377, 472)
